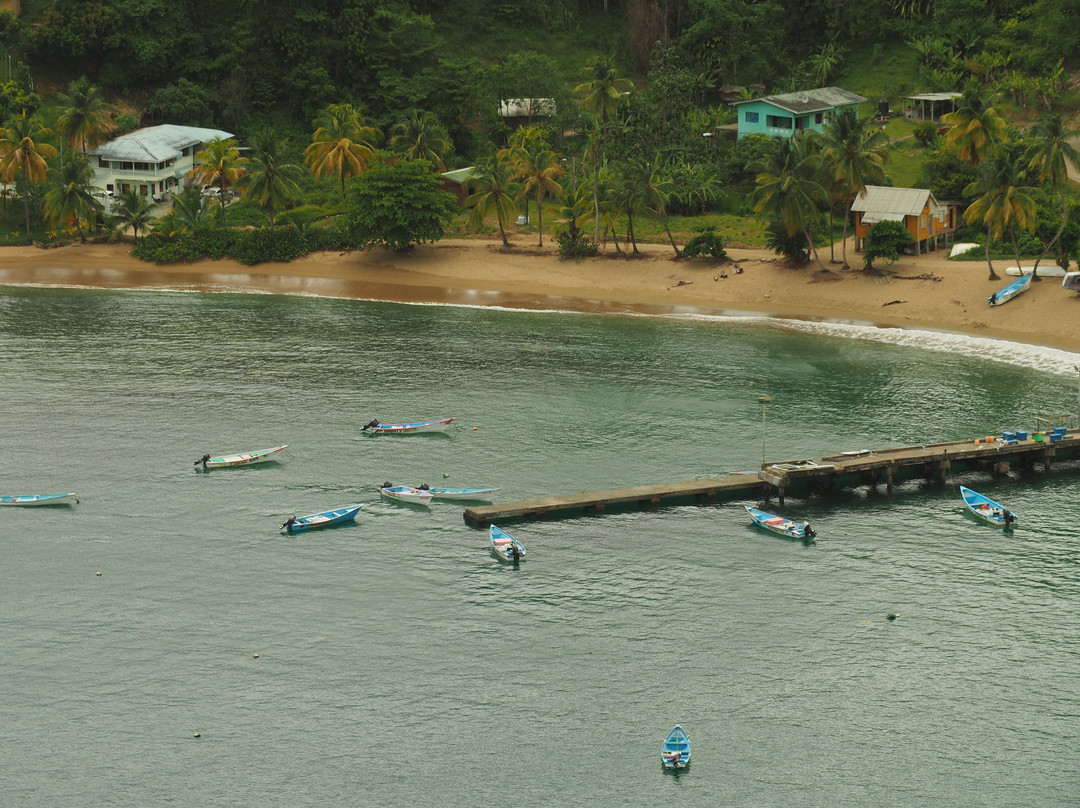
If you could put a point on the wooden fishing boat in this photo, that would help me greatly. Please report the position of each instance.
(675, 753)
(375, 428)
(346, 513)
(1009, 291)
(1045, 271)
(779, 525)
(504, 546)
(1071, 281)
(985, 508)
(406, 493)
(466, 494)
(32, 500)
(241, 458)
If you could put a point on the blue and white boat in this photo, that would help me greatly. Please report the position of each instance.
(985, 508)
(347, 513)
(32, 500)
(504, 546)
(375, 428)
(781, 526)
(1071, 281)
(467, 494)
(675, 753)
(1009, 291)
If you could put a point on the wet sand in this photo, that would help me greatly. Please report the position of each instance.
(926, 291)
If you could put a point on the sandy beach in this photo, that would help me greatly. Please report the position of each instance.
(926, 291)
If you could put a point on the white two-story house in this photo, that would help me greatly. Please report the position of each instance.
(154, 161)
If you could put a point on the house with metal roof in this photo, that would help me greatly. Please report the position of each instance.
(153, 161)
(790, 114)
(922, 215)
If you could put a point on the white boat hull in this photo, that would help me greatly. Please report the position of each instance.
(245, 458)
(413, 496)
(1045, 271)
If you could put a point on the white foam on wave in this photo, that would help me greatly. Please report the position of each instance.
(1038, 357)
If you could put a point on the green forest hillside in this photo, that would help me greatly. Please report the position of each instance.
(631, 88)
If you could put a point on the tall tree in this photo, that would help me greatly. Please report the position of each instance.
(788, 188)
(85, 119)
(854, 154)
(539, 169)
(69, 200)
(23, 155)
(1050, 155)
(1006, 202)
(976, 130)
(343, 144)
(399, 204)
(600, 96)
(220, 165)
(420, 136)
(495, 190)
(133, 210)
(271, 181)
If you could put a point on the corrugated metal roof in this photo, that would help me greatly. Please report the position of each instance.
(823, 98)
(882, 203)
(934, 96)
(461, 175)
(155, 144)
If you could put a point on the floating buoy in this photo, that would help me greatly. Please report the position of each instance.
(254, 656)
(198, 735)
(475, 428)
(892, 615)
(97, 574)
(445, 475)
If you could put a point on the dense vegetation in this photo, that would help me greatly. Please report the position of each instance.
(314, 90)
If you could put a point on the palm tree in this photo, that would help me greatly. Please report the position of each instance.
(496, 190)
(975, 126)
(854, 154)
(271, 180)
(189, 210)
(219, 164)
(133, 210)
(343, 144)
(1005, 204)
(538, 166)
(1050, 154)
(69, 200)
(977, 131)
(573, 205)
(86, 119)
(789, 190)
(600, 97)
(23, 153)
(627, 196)
(420, 136)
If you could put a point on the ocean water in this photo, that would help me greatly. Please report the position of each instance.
(399, 664)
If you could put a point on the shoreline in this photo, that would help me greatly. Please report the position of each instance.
(926, 292)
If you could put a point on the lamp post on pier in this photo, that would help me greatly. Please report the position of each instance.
(763, 401)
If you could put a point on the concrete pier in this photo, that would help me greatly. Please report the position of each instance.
(886, 467)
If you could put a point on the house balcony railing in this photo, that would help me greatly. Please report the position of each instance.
(139, 176)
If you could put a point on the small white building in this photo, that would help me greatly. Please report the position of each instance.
(154, 161)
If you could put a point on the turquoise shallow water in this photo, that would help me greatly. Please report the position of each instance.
(400, 665)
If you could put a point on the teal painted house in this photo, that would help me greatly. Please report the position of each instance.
(792, 114)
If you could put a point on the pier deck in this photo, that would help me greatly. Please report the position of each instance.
(807, 477)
